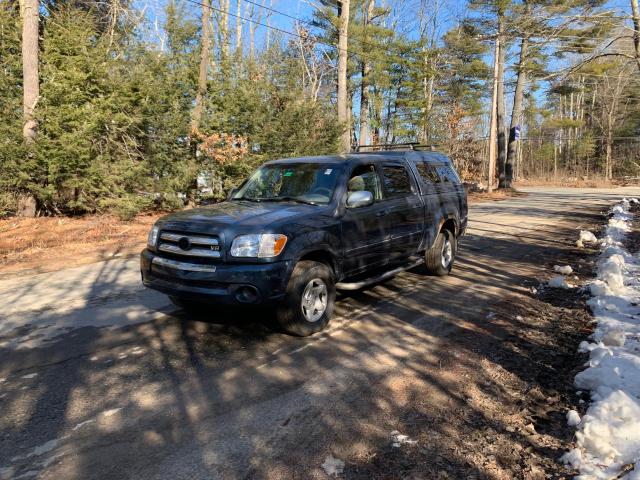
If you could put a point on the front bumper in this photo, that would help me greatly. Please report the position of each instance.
(227, 283)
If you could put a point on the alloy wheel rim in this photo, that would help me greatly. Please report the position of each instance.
(447, 252)
(314, 300)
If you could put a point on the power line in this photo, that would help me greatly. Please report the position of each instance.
(293, 34)
(279, 12)
(309, 23)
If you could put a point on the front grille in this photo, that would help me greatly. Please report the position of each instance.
(189, 245)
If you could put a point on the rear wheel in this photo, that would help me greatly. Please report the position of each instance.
(309, 299)
(440, 257)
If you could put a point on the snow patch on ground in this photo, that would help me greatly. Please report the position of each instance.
(398, 439)
(332, 466)
(559, 282)
(586, 237)
(608, 436)
(563, 269)
(110, 413)
(82, 424)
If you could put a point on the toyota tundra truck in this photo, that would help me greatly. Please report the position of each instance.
(298, 229)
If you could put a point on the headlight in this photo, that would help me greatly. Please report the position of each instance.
(258, 245)
(152, 239)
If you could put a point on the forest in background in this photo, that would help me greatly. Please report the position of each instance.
(107, 107)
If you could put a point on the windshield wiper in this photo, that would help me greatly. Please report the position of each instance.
(288, 199)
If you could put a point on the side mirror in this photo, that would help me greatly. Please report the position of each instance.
(361, 198)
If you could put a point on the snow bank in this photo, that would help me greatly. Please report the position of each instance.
(608, 436)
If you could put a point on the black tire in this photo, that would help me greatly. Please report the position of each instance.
(290, 313)
(435, 258)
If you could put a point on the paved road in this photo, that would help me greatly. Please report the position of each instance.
(100, 378)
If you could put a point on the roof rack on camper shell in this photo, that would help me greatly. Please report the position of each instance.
(380, 147)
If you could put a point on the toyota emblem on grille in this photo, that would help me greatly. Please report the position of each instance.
(184, 243)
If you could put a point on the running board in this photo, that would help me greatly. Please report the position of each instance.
(379, 278)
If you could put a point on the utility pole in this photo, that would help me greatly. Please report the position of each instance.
(343, 105)
(493, 124)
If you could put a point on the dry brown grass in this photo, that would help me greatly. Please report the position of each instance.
(51, 243)
(502, 194)
(567, 182)
(33, 245)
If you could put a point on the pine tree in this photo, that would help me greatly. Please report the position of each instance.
(15, 165)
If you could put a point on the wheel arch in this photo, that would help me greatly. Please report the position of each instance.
(451, 225)
(322, 256)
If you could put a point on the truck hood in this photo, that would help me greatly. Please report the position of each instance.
(240, 216)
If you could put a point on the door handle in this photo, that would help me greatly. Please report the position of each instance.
(382, 213)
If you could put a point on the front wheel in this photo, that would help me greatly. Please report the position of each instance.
(440, 257)
(309, 299)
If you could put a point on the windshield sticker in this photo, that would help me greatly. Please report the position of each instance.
(288, 173)
(328, 171)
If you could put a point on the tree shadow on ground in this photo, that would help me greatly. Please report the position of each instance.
(223, 395)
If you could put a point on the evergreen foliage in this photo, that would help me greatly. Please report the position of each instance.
(116, 129)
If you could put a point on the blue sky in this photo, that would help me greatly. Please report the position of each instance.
(303, 9)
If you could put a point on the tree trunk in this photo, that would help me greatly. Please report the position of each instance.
(267, 41)
(493, 123)
(608, 168)
(428, 85)
(223, 28)
(31, 88)
(31, 79)
(201, 92)
(239, 28)
(635, 13)
(500, 108)
(343, 109)
(363, 139)
(204, 66)
(516, 113)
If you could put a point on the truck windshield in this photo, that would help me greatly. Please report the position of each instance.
(311, 183)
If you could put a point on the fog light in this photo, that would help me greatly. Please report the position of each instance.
(247, 294)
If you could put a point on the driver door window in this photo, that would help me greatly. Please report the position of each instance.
(365, 177)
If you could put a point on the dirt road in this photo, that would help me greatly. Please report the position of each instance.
(100, 378)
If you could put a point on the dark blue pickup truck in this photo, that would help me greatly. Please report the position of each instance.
(298, 229)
